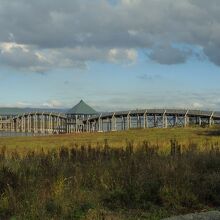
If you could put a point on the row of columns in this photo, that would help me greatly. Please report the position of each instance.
(143, 120)
(74, 124)
(5, 123)
(39, 123)
(49, 123)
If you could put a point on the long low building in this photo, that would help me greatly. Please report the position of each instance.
(149, 118)
(83, 118)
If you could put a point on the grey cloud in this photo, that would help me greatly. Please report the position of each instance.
(30, 59)
(99, 26)
(36, 60)
(168, 55)
(212, 52)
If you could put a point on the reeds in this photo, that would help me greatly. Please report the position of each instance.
(85, 182)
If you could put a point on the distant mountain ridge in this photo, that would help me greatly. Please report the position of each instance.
(80, 108)
(17, 111)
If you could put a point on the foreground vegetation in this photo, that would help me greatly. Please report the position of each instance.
(103, 182)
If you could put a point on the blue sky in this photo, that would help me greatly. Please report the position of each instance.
(118, 59)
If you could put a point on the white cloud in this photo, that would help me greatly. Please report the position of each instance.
(52, 104)
(21, 104)
(197, 105)
(120, 55)
(8, 47)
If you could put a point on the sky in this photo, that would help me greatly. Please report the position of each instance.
(113, 54)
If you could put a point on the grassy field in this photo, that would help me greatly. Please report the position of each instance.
(115, 175)
(108, 183)
(203, 137)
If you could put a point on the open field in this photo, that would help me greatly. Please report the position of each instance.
(108, 183)
(116, 175)
(204, 137)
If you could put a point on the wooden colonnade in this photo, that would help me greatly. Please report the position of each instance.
(148, 119)
(44, 123)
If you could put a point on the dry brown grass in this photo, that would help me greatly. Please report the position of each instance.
(203, 137)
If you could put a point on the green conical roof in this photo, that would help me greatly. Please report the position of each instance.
(82, 109)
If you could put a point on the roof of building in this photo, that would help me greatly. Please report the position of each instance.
(82, 109)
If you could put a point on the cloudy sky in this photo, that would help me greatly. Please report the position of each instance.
(114, 54)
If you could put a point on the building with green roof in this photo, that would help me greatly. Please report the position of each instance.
(81, 109)
(77, 114)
